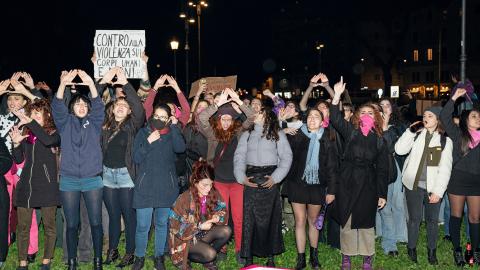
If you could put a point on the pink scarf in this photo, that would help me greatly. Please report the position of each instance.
(203, 202)
(326, 122)
(31, 138)
(366, 124)
(476, 138)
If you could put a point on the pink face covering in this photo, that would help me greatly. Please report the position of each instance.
(326, 122)
(366, 124)
(178, 113)
(476, 138)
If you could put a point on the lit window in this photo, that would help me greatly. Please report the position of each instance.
(429, 54)
(415, 55)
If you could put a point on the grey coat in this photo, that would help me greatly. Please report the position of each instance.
(255, 150)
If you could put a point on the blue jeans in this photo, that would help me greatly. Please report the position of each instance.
(144, 221)
(446, 216)
(117, 178)
(392, 220)
(71, 208)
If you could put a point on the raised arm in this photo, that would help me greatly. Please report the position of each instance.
(336, 118)
(453, 131)
(184, 105)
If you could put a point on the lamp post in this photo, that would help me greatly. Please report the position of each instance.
(187, 21)
(463, 55)
(174, 45)
(319, 49)
(199, 6)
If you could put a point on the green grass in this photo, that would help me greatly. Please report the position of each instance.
(329, 258)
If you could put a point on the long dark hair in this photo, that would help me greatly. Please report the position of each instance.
(202, 170)
(396, 117)
(466, 138)
(110, 123)
(270, 125)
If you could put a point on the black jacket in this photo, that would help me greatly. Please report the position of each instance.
(362, 174)
(328, 161)
(468, 163)
(132, 126)
(38, 185)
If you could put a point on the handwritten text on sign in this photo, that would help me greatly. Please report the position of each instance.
(119, 48)
(214, 84)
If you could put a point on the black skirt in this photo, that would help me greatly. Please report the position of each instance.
(262, 222)
(464, 183)
(298, 192)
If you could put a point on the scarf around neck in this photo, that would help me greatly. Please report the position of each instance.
(310, 174)
(475, 138)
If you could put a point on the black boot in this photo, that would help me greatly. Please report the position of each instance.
(159, 263)
(270, 262)
(432, 256)
(72, 264)
(138, 264)
(248, 261)
(112, 256)
(301, 263)
(476, 256)
(127, 260)
(31, 257)
(458, 257)
(97, 264)
(412, 254)
(314, 258)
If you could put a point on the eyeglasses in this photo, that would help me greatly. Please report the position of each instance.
(160, 117)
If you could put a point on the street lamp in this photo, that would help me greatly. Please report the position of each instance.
(199, 5)
(187, 21)
(319, 48)
(174, 45)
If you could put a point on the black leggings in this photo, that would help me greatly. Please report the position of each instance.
(457, 203)
(71, 209)
(118, 202)
(206, 249)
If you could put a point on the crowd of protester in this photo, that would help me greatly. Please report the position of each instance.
(198, 175)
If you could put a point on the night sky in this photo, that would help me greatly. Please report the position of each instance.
(45, 37)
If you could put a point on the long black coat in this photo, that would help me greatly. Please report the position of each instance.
(38, 185)
(362, 175)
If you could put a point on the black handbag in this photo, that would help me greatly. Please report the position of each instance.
(258, 173)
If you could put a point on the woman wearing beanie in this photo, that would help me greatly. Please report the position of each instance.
(425, 175)
(222, 136)
(464, 185)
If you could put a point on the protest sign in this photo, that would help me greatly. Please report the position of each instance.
(214, 84)
(119, 48)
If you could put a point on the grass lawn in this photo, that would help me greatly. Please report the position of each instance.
(329, 258)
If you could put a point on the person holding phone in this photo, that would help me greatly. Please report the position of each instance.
(425, 175)
(197, 221)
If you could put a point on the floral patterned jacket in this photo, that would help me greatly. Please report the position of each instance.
(184, 225)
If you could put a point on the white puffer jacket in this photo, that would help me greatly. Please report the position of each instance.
(439, 163)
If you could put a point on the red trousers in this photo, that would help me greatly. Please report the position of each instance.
(232, 194)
